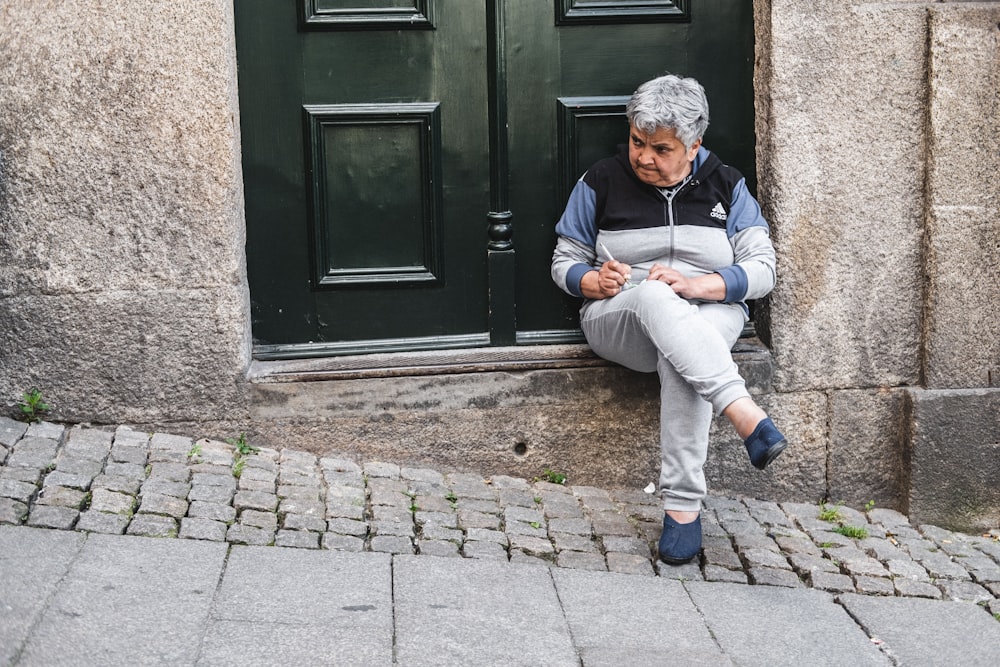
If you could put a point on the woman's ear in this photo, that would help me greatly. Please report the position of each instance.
(693, 151)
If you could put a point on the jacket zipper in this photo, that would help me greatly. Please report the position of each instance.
(668, 214)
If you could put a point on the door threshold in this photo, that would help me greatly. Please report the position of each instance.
(429, 362)
(746, 352)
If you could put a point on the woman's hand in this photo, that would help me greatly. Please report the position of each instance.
(709, 287)
(606, 282)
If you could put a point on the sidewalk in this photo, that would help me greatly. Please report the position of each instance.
(412, 566)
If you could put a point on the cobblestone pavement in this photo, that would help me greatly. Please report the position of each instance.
(162, 485)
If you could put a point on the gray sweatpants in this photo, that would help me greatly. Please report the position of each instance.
(650, 328)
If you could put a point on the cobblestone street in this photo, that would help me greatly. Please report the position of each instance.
(161, 485)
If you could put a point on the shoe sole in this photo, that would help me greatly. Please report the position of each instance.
(772, 453)
(677, 561)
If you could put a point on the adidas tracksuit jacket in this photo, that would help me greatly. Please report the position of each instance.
(711, 223)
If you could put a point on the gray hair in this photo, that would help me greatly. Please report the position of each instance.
(672, 103)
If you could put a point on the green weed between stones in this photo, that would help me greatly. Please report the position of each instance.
(553, 477)
(243, 450)
(833, 515)
(33, 406)
(855, 532)
(412, 495)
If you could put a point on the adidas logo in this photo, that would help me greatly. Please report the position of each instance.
(719, 212)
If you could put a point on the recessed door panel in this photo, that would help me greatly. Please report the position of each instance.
(375, 194)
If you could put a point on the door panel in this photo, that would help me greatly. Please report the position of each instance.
(377, 164)
(380, 135)
(365, 178)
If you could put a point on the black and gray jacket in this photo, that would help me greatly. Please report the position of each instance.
(710, 224)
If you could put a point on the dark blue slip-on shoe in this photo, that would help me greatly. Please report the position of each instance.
(680, 542)
(765, 443)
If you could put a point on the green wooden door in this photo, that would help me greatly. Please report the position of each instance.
(405, 160)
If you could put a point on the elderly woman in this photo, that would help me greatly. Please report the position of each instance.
(665, 244)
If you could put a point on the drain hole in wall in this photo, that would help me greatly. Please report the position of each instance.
(520, 449)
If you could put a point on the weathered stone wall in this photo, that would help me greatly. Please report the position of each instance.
(955, 438)
(841, 172)
(122, 272)
(956, 458)
(962, 255)
(879, 172)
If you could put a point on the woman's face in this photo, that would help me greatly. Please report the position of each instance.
(660, 158)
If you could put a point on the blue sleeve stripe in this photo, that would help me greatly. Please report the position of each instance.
(699, 158)
(736, 282)
(578, 220)
(744, 211)
(574, 276)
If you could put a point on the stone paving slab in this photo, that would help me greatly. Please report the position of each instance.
(921, 632)
(619, 619)
(288, 606)
(766, 626)
(230, 643)
(32, 562)
(129, 600)
(475, 612)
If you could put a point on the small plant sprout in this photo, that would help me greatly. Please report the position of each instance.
(195, 451)
(33, 406)
(243, 447)
(831, 514)
(554, 477)
(243, 450)
(854, 532)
